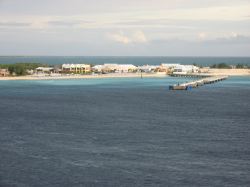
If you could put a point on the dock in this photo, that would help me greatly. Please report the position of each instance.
(197, 83)
(192, 75)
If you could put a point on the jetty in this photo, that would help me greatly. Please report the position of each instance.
(197, 83)
(191, 75)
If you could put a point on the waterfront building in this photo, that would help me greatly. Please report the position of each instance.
(148, 68)
(44, 70)
(168, 68)
(76, 68)
(4, 72)
(97, 68)
(185, 69)
(125, 68)
(115, 68)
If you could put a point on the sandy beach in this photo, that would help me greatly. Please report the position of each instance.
(227, 72)
(95, 76)
(209, 72)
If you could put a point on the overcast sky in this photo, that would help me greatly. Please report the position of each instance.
(125, 28)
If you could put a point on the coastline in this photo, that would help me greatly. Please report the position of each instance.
(226, 72)
(96, 76)
(209, 72)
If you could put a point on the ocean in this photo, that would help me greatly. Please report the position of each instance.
(124, 132)
(204, 61)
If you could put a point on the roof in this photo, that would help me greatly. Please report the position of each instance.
(44, 68)
(75, 65)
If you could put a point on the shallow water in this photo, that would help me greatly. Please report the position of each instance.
(124, 132)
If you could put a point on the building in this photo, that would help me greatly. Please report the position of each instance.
(76, 68)
(125, 68)
(4, 72)
(115, 68)
(97, 68)
(168, 68)
(169, 65)
(185, 69)
(44, 70)
(148, 68)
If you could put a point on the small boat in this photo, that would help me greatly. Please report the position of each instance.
(177, 87)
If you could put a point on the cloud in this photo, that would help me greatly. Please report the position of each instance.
(121, 38)
(224, 38)
(139, 37)
(63, 23)
(14, 24)
(161, 22)
(136, 37)
(69, 23)
(233, 38)
(202, 36)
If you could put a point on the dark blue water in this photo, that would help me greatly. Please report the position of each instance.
(124, 132)
(204, 61)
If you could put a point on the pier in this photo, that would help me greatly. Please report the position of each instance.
(191, 75)
(197, 83)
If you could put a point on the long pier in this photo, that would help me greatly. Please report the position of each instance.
(197, 83)
(192, 75)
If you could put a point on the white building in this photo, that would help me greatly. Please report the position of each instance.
(44, 70)
(76, 68)
(97, 68)
(185, 69)
(169, 66)
(147, 68)
(125, 68)
(118, 68)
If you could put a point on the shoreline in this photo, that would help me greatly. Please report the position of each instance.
(97, 76)
(225, 72)
(208, 72)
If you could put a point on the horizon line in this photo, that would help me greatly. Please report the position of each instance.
(128, 56)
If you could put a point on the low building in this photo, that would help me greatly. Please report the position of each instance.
(44, 70)
(185, 69)
(125, 68)
(97, 68)
(168, 68)
(30, 71)
(114, 68)
(76, 68)
(4, 72)
(148, 68)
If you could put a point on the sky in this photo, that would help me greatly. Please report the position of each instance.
(125, 28)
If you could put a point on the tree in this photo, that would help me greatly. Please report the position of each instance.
(240, 66)
(221, 66)
(21, 68)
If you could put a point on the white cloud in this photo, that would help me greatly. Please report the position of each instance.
(121, 38)
(135, 37)
(139, 37)
(202, 36)
(140, 22)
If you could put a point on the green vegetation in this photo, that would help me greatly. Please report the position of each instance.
(197, 65)
(226, 66)
(221, 66)
(241, 66)
(21, 68)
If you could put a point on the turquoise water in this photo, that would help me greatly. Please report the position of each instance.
(237, 81)
(124, 132)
